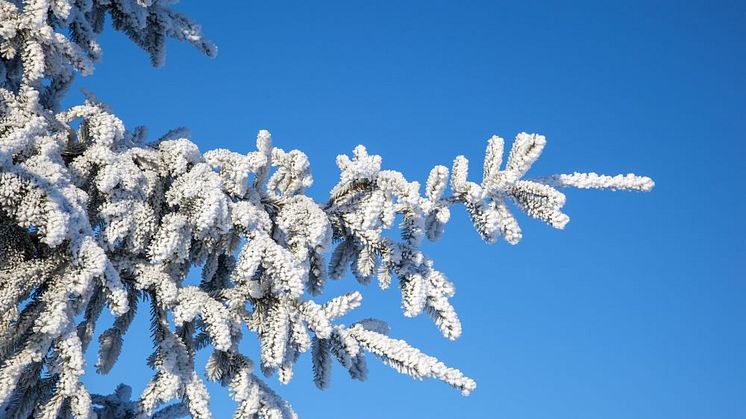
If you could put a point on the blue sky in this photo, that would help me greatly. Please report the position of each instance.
(636, 310)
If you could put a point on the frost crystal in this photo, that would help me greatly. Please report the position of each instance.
(94, 215)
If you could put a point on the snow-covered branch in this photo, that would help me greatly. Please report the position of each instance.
(93, 215)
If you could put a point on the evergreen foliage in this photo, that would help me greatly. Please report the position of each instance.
(95, 216)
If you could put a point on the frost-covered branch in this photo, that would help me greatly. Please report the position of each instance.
(93, 215)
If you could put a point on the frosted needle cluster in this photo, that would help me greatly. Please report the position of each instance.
(96, 216)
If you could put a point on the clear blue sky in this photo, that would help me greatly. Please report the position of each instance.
(635, 311)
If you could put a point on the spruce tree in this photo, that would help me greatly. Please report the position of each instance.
(95, 216)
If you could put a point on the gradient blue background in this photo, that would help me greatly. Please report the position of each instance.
(636, 310)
